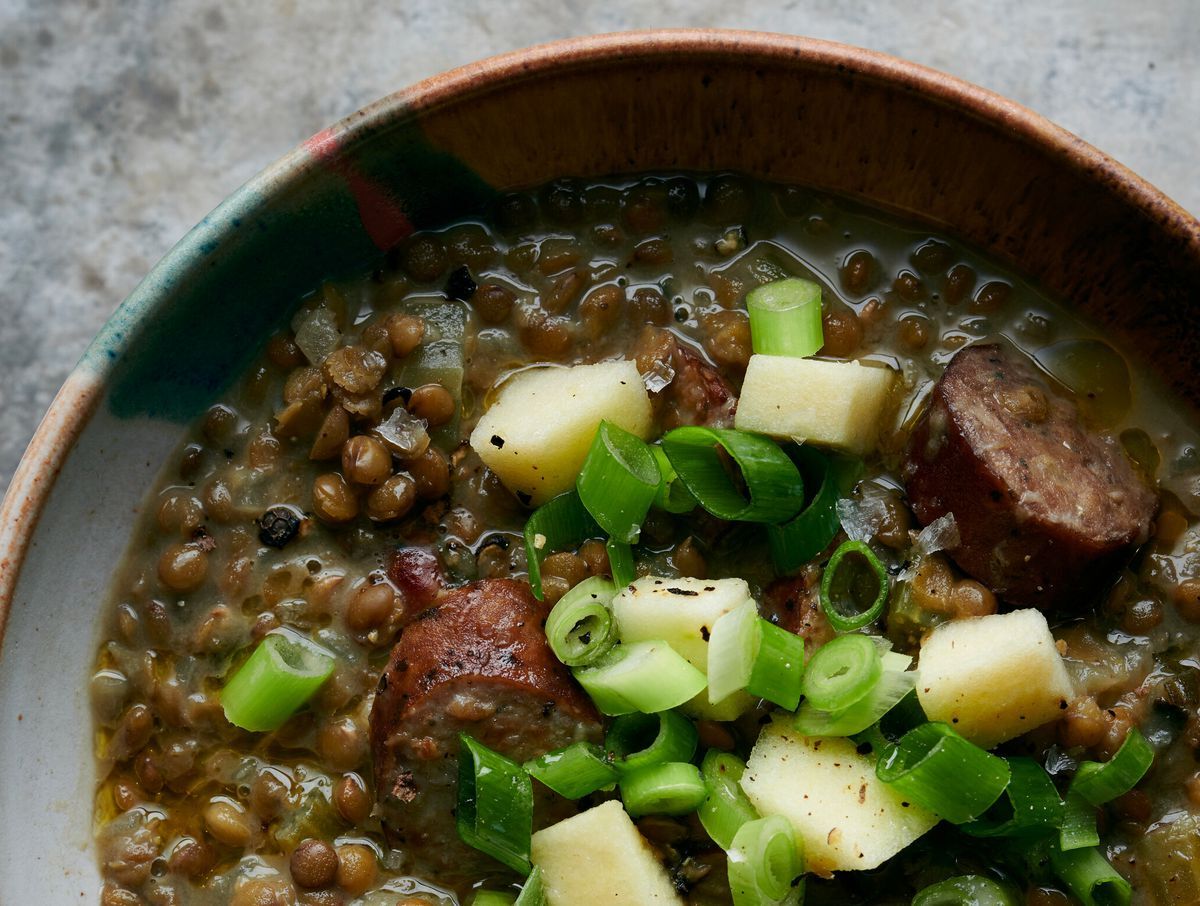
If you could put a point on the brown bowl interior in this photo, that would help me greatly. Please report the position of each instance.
(893, 134)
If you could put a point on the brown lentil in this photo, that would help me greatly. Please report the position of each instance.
(391, 500)
(332, 499)
(342, 743)
(601, 309)
(493, 302)
(843, 331)
(1083, 723)
(430, 473)
(1187, 600)
(857, 272)
(649, 306)
(332, 434)
(405, 332)
(356, 868)
(960, 281)
(595, 555)
(351, 799)
(183, 567)
(370, 606)
(688, 559)
(366, 460)
(571, 568)
(192, 858)
(314, 864)
(228, 822)
(424, 257)
(914, 332)
(434, 403)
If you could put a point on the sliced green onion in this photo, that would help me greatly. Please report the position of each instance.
(747, 652)
(939, 770)
(895, 683)
(645, 676)
(966, 890)
(493, 898)
(618, 482)
(854, 587)
(796, 542)
(620, 562)
(726, 807)
(673, 788)
(907, 714)
(785, 318)
(495, 804)
(573, 771)
(765, 859)
(1100, 783)
(558, 523)
(533, 891)
(280, 675)
(779, 667)
(672, 496)
(733, 644)
(1032, 804)
(580, 628)
(772, 481)
(639, 740)
(1078, 829)
(1091, 878)
(842, 672)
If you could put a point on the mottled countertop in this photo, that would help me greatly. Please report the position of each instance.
(125, 122)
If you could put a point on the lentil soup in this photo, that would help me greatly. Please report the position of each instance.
(339, 495)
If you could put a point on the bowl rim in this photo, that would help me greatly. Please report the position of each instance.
(69, 411)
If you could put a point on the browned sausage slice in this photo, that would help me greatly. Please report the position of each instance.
(477, 661)
(689, 391)
(1047, 509)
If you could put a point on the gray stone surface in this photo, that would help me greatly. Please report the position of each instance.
(125, 122)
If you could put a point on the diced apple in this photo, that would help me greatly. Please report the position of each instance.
(537, 433)
(993, 678)
(829, 404)
(847, 817)
(682, 613)
(598, 857)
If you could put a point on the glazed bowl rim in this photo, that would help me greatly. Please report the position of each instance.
(69, 412)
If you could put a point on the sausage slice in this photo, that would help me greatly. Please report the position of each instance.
(477, 661)
(684, 388)
(1047, 509)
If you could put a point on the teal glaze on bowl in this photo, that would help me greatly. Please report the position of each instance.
(784, 108)
(316, 215)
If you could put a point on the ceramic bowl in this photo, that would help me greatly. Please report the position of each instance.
(842, 119)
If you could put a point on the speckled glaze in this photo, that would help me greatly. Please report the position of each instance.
(892, 133)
